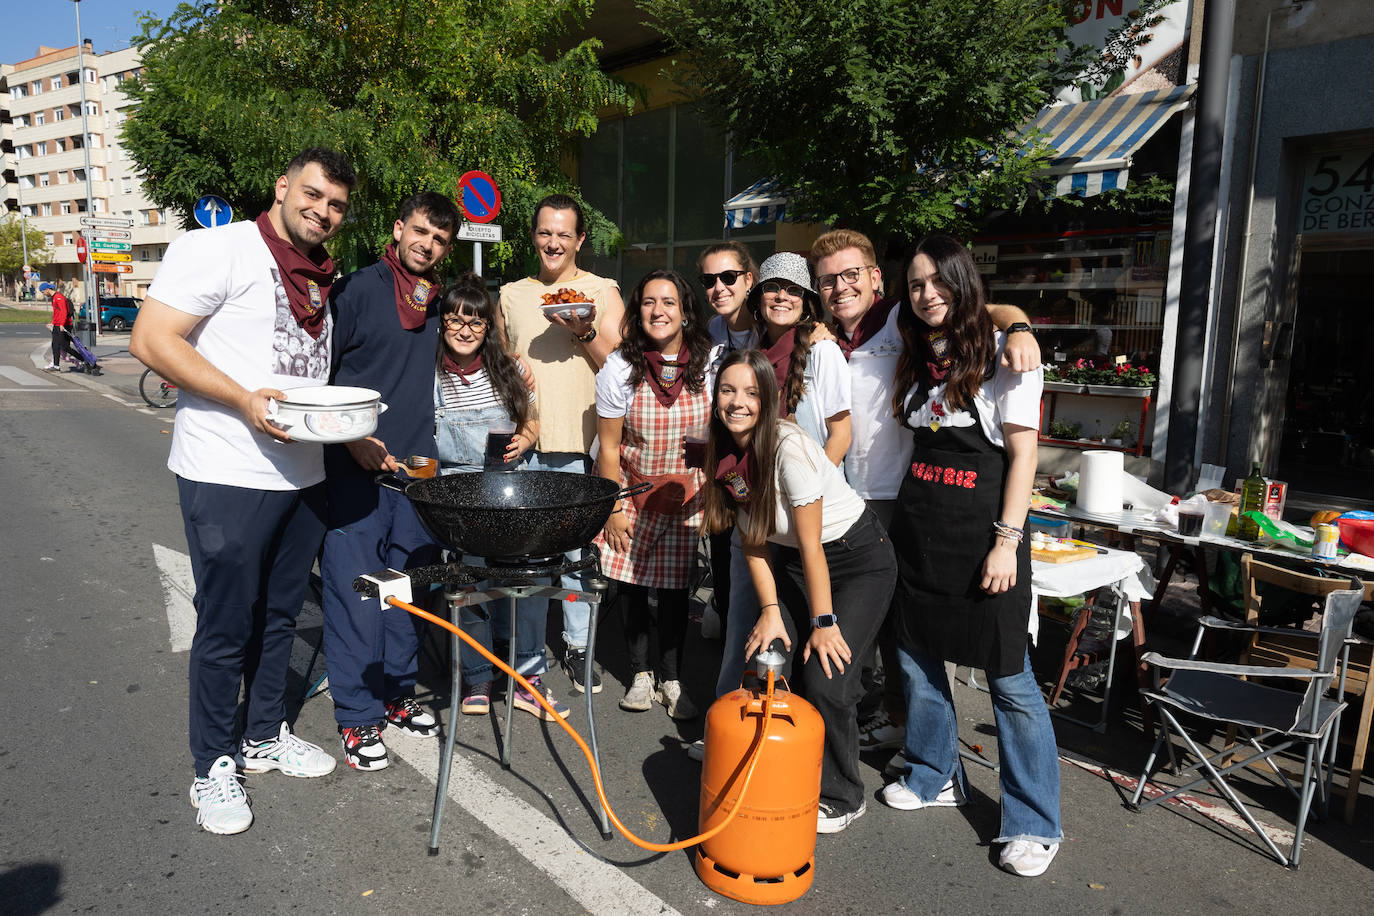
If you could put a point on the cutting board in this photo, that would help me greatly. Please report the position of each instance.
(1062, 556)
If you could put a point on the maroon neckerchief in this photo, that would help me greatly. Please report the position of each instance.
(870, 324)
(780, 355)
(935, 354)
(735, 472)
(306, 278)
(451, 366)
(413, 291)
(669, 375)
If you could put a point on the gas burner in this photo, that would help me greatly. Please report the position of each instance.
(505, 571)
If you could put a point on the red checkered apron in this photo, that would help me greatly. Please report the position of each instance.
(663, 546)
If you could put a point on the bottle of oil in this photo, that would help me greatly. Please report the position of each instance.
(1251, 500)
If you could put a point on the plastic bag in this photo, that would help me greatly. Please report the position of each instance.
(1282, 533)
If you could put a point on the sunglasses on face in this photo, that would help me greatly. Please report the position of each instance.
(789, 289)
(728, 277)
(455, 323)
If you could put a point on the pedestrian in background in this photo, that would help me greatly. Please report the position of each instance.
(60, 326)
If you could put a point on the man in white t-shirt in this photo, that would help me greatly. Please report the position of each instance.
(865, 325)
(235, 315)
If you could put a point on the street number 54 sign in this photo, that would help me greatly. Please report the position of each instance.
(1338, 192)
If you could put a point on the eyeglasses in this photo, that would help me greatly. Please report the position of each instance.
(789, 289)
(455, 323)
(728, 277)
(850, 276)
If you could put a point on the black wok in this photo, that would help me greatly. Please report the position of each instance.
(512, 515)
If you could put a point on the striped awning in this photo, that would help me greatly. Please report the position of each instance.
(761, 202)
(1094, 141)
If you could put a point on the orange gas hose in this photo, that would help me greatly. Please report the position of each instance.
(586, 751)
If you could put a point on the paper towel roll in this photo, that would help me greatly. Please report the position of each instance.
(1099, 481)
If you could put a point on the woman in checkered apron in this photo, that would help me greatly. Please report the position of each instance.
(651, 395)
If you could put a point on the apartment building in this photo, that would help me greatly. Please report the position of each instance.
(48, 153)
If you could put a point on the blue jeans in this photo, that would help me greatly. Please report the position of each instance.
(744, 613)
(576, 614)
(1029, 755)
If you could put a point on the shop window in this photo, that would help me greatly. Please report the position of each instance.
(699, 178)
(647, 148)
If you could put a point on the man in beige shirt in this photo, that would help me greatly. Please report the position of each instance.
(564, 354)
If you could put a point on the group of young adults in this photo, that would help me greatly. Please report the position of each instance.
(864, 463)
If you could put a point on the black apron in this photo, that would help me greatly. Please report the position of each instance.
(942, 532)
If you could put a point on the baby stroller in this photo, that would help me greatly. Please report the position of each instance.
(87, 361)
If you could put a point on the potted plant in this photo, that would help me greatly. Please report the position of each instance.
(1125, 381)
(1117, 435)
(1063, 429)
(1056, 379)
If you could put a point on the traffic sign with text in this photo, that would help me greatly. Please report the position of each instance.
(479, 232)
(110, 246)
(102, 268)
(112, 222)
(111, 256)
(107, 235)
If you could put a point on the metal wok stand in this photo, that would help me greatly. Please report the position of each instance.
(462, 589)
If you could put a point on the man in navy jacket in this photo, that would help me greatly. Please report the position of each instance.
(385, 338)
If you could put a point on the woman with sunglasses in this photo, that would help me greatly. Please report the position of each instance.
(964, 587)
(477, 385)
(820, 561)
(652, 392)
(727, 273)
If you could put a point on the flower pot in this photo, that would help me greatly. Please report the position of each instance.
(1069, 387)
(1119, 391)
(1114, 443)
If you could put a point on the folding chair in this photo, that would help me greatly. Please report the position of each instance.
(1262, 714)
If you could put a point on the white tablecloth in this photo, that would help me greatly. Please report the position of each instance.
(1064, 580)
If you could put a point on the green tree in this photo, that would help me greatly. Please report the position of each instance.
(12, 247)
(417, 92)
(883, 115)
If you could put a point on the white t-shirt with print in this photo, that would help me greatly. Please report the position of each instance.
(802, 475)
(228, 277)
(880, 448)
(1007, 397)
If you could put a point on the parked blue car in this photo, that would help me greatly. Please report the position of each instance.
(118, 312)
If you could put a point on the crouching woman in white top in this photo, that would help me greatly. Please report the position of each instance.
(797, 516)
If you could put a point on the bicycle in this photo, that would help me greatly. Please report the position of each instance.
(156, 390)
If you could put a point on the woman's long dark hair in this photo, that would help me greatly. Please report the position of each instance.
(720, 509)
(794, 386)
(467, 296)
(971, 334)
(695, 337)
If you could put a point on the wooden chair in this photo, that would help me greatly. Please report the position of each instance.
(1278, 651)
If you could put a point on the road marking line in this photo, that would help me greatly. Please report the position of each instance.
(178, 588)
(595, 884)
(23, 377)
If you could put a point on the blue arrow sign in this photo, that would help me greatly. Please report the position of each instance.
(212, 211)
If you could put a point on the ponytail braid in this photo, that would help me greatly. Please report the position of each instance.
(794, 387)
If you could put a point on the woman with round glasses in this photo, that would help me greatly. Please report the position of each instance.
(477, 385)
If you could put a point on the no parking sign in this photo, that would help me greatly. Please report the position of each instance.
(479, 197)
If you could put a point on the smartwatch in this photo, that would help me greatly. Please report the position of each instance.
(1020, 326)
(825, 620)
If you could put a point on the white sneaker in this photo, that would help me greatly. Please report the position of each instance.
(678, 704)
(286, 752)
(880, 733)
(640, 696)
(828, 820)
(1028, 858)
(220, 802)
(897, 795)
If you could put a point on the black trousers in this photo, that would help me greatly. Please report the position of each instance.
(639, 621)
(863, 575)
(61, 345)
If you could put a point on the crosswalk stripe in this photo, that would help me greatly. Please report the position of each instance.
(26, 378)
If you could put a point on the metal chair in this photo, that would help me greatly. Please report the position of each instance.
(1271, 719)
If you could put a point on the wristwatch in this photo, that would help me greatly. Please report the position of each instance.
(825, 620)
(1020, 326)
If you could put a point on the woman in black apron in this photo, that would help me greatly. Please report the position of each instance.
(964, 574)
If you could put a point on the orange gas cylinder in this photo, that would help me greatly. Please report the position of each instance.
(766, 854)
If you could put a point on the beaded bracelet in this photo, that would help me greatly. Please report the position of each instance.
(1010, 532)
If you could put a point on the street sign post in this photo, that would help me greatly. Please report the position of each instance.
(109, 256)
(81, 249)
(112, 222)
(480, 200)
(212, 210)
(110, 246)
(108, 235)
(104, 268)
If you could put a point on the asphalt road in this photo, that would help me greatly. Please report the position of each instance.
(94, 768)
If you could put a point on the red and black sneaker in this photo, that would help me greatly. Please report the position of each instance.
(363, 747)
(410, 718)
